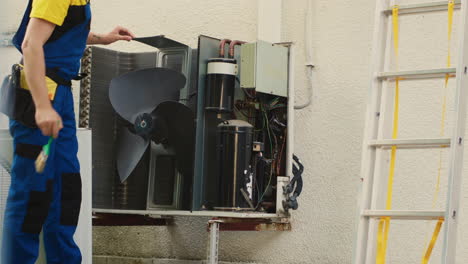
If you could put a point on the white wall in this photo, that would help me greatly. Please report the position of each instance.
(10, 16)
(328, 134)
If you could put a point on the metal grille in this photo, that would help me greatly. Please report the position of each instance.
(85, 91)
(108, 192)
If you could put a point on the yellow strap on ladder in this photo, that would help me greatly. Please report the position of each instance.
(435, 235)
(428, 253)
(384, 224)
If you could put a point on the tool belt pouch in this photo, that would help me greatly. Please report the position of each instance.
(24, 110)
(16, 100)
(7, 97)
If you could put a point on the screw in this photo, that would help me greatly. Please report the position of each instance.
(454, 214)
(377, 114)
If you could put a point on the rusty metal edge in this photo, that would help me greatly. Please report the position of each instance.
(104, 219)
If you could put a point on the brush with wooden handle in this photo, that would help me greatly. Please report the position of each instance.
(42, 158)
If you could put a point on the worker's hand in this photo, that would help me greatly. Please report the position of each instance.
(48, 121)
(119, 33)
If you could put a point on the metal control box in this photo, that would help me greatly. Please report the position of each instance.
(264, 67)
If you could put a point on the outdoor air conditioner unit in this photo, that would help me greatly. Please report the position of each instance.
(241, 98)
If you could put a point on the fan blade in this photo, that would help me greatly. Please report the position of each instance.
(130, 150)
(180, 123)
(141, 91)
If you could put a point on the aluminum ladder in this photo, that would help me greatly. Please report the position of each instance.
(374, 182)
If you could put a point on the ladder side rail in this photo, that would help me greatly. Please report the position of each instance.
(379, 192)
(456, 152)
(371, 127)
(379, 188)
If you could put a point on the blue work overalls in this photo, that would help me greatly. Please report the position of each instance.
(48, 202)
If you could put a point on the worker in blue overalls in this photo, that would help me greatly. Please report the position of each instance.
(52, 38)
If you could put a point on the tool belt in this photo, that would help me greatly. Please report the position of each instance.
(16, 100)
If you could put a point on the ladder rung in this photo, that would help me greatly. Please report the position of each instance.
(411, 143)
(419, 74)
(423, 7)
(405, 214)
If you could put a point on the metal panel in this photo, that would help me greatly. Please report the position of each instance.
(161, 42)
(101, 219)
(252, 215)
(280, 194)
(172, 191)
(178, 59)
(265, 68)
(83, 235)
(6, 157)
(272, 69)
(248, 61)
(205, 190)
(207, 48)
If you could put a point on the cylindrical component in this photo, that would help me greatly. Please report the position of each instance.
(234, 145)
(220, 84)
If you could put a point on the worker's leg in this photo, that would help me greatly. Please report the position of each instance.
(29, 197)
(61, 223)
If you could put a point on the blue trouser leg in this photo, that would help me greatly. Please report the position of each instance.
(49, 201)
(61, 222)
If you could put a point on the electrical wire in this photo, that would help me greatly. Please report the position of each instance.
(244, 114)
(309, 65)
(265, 120)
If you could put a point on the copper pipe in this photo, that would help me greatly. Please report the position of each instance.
(222, 45)
(232, 46)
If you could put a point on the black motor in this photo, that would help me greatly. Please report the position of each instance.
(234, 147)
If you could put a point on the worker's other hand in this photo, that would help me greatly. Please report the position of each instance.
(48, 121)
(119, 33)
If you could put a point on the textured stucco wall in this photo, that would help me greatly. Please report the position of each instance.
(328, 134)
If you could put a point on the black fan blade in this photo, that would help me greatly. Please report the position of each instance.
(181, 132)
(130, 150)
(141, 91)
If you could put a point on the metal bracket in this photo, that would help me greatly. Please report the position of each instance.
(102, 219)
(212, 256)
(239, 224)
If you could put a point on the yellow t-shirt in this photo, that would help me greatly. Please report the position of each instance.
(54, 11)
